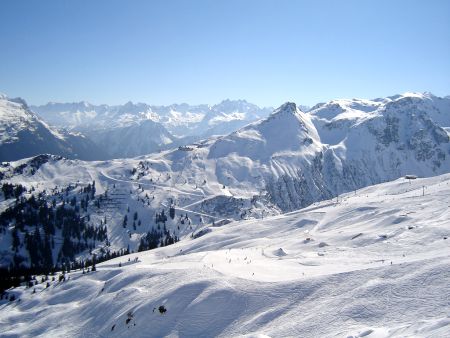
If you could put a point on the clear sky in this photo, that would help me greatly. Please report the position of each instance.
(266, 52)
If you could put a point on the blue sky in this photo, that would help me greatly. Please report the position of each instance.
(267, 52)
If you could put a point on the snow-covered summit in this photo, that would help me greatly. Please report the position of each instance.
(228, 105)
(287, 129)
(286, 108)
(343, 108)
(337, 146)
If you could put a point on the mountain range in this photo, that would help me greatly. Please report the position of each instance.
(244, 190)
(135, 129)
(284, 162)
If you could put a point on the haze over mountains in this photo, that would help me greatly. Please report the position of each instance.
(136, 129)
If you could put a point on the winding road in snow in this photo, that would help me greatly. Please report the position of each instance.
(167, 189)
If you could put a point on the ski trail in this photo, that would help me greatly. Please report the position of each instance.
(168, 189)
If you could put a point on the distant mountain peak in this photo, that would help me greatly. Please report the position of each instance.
(230, 100)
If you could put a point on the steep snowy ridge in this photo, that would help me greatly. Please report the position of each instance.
(23, 134)
(285, 157)
(356, 148)
(335, 118)
(374, 264)
(396, 139)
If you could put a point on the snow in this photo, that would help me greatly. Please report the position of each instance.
(23, 134)
(336, 118)
(262, 140)
(226, 118)
(14, 118)
(135, 129)
(253, 172)
(179, 119)
(383, 272)
(324, 270)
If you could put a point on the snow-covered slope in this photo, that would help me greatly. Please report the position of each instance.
(374, 264)
(121, 193)
(324, 270)
(334, 119)
(286, 130)
(23, 134)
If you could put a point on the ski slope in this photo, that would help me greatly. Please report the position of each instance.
(371, 263)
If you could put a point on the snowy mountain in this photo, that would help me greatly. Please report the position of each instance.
(179, 119)
(374, 141)
(232, 192)
(23, 134)
(272, 166)
(228, 116)
(151, 127)
(296, 159)
(373, 264)
(333, 119)
(286, 130)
